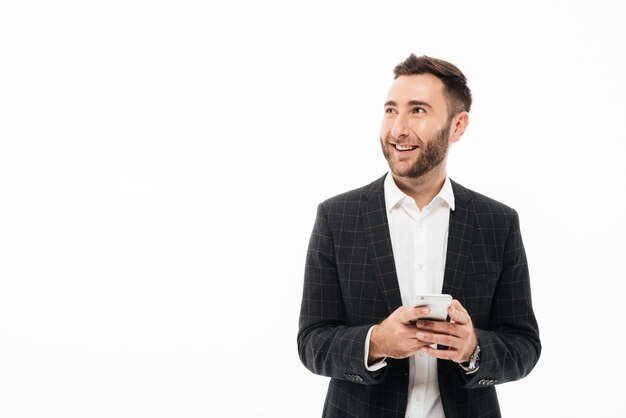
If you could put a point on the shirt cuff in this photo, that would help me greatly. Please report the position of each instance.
(379, 364)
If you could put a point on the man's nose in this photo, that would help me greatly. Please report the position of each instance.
(400, 127)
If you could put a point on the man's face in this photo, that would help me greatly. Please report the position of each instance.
(415, 131)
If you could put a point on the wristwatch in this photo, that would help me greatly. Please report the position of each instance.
(471, 366)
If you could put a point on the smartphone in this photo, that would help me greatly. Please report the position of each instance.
(437, 303)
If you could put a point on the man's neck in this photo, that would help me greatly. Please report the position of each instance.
(424, 188)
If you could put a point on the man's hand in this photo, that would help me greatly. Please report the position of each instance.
(458, 335)
(396, 336)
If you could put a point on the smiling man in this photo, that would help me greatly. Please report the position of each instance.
(415, 231)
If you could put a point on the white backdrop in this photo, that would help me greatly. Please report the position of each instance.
(161, 163)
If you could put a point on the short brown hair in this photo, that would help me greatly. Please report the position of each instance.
(458, 94)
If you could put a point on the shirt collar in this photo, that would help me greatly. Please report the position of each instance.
(394, 196)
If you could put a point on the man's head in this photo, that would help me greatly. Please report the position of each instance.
(426, 110)
(458, 95)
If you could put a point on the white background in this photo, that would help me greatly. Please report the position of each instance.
(161, 163)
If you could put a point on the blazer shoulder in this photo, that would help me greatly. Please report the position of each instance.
(482, 205)
(351, 200)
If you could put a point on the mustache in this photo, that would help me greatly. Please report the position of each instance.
(390, 139)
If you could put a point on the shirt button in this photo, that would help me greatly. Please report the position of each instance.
(421, 354)
(420, 265)
(418, 398)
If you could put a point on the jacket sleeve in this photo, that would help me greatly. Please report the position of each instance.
(327, 345)
(511, 347)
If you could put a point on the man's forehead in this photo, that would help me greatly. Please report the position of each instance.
(422, 87)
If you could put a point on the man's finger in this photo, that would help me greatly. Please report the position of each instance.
(417, 344)
(413, 314)
(441, 339)
(458, 306)
(457, 312)
(406, 331)
(442, 354)
(440, 327)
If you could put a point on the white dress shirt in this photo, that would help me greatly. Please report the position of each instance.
(419, 240)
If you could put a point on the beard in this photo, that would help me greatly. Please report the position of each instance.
(430, 156)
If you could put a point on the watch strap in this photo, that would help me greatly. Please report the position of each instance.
(472, 365)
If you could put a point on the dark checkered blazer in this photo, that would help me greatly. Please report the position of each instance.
(350, 284)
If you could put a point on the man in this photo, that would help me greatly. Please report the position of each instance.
(415, 231)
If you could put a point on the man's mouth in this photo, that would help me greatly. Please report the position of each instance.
(405, 147)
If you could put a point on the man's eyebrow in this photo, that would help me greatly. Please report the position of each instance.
(419, 103)
(410, 103)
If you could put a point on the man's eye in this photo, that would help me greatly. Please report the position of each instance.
(389, 110)
(418, 110)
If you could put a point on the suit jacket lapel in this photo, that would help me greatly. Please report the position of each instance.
(376, 228)
(460, 234)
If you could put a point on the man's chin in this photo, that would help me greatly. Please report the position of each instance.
(402, 170)
(409, 172)
(406, 173)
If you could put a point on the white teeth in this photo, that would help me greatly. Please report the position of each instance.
(405, 147)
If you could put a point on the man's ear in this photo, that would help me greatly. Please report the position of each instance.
(459, 124)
